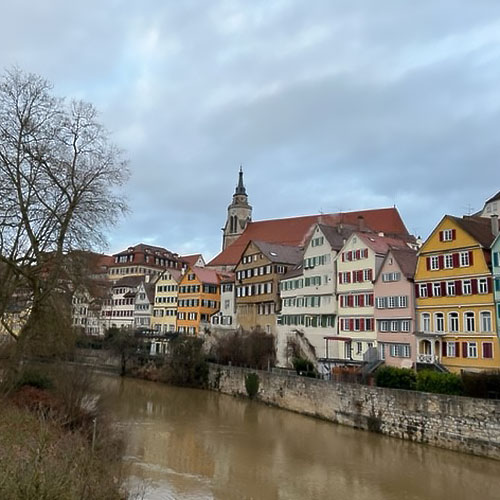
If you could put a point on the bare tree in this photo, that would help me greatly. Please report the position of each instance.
(58, 178)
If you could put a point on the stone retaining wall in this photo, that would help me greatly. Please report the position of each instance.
(468, 425)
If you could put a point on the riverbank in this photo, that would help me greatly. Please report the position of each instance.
(468, 425)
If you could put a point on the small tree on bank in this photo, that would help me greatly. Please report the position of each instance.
(58, 179)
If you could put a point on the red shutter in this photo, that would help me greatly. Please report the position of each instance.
(351, 325)
(457, 349)
(370, 274)
(458, 287)
(441, 236)
(417, 290)
(474, 286)
(360, 276)
(490, 285)
(362, 325)
(443, 288)
(456, 260)
(361, 300)
(464, 349)
(349, 255)
(441, 261)
(370, 299)
(366, 253)
(487, 350)
(343, 256)
(471, 258)
(453, 234)
(350, 300)
(348, 276)
(429, 289)
(340, 278)
(357, 254)
(428, 260)
(443, 353)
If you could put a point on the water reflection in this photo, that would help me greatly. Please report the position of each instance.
(190, 444)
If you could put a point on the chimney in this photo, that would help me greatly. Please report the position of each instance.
(361, 223)
(494, 225)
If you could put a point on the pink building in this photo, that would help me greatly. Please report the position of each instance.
(395, 308)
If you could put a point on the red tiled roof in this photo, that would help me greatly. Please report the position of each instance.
(205, 275)
(295, 230)
(381, 244)
(191, 260)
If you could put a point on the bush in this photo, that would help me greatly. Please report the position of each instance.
(482, 385)
(304, 367)
(187, 365)
(34, 377)
(395, 378)
(441, 383)
(252, 384)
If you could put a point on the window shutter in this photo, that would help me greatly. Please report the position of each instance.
(458, 287)
(351, 325)
(340, 278)
(348, 276)
(361, 300)
(495, 259)
(443, 288)
(441, 261)
(456, 260)
(428, 261)
(441, 236)
(360, 276)
(474, 286)
(349, 255)
(443, 352)
(350, 300)
(429, 289)
(366, 253)
(417, 290)
(370, 299)
(343, 256)
(471, 258)
(362, 325)
(487, 350)
(453, 234)
(464, 349)
(489, 286)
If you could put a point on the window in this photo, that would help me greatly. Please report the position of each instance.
(400, 350)
(471, 349)
(434, 263)
(485, 321)
(384, 326)
(450, 288)
(422, 288)
(405, 325)
(466, 287)
(426, 322)
(436, 289)
(451, 350)
(453, 322)
(447, 235)
(359, 347)
(482, 285)
(439, 319)
(469, 322)
(391, 303)
(394, 326)
(464, 259)
(391, 277)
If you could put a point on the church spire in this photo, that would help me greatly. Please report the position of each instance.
(240, 188)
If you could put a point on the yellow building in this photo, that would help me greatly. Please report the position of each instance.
(198, 299)
(164, 318)
(455, 305)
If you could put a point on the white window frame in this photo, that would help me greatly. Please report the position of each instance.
(482, 285)
(464, 259)
(439, 318)
(472, 349)
(451, 349)
(467, 316)
(453, 317)
(434, 263)
(447, 234)
(485, 316)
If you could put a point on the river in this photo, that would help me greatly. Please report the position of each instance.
(192, 444)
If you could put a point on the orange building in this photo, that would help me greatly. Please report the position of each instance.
(198, 299)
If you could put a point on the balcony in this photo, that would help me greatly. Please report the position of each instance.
(427, 358)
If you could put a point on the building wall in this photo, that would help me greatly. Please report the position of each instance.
(165, 307)
(460, 303)
(395, 316)
(495, 262)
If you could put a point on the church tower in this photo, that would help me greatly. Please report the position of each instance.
(239, 214)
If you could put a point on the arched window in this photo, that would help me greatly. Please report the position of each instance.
(453, 322)
(485, 321)
(439, 322)
(426, 322)
(469, 322)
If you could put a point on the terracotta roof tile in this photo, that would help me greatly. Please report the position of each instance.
(295, 230)
(381, 244)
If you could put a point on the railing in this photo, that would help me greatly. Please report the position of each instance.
(427, 358)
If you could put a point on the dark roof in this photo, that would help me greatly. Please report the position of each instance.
(191, 260)
(477, 227)
(283, 254)
(337, 235)
(494, 198)
(296, 230)
(294, 272)
(406, 259)
(150, 291)
(175, 273)
(130, 281)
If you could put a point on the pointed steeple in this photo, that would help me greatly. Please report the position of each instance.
(240, 188)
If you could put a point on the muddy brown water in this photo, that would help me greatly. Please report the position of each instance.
(193, 444)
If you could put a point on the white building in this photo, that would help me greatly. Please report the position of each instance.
(226, 316)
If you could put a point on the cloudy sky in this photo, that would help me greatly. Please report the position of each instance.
(329, 104)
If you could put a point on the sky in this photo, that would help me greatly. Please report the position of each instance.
(329, 105)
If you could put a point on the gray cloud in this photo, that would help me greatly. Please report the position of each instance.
(329, 105)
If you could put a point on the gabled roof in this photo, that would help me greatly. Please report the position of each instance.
(493, 198)
(477, 227)
(129, 281)
(191, 260)
(381, 244)
(406, 259)
(226, 277)
(150, 291)
(282, 254)
(296, 230)
(204, 275)
(298, 270)
(337, 235)
(175, 273)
